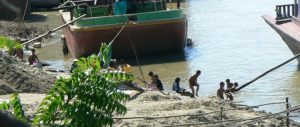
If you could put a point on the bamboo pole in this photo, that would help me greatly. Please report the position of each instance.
(137, 59)
(221, 117)
(51, 31)
(287, 113)
(265, 73)
(295, 8)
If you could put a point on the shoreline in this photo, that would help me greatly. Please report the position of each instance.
(151, 108)
(155, 109)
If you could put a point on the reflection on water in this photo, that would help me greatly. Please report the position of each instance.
(231, 40)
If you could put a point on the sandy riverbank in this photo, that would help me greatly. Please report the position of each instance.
(16, 76)
(155, 104)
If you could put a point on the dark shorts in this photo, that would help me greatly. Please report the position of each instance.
(194, 84)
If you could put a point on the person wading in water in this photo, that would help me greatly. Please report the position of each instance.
(193, 82)
(33, 59)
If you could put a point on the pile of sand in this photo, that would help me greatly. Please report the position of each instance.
(20, 30)
(15, 76)
(156, 104)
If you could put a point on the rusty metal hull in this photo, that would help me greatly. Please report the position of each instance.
(148, 38)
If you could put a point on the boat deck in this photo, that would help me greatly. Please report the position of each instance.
(291, 28)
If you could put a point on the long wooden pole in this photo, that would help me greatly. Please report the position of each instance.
(287, 113)
(51, 31)
(137, 59)
(295, 8)
(265, 73)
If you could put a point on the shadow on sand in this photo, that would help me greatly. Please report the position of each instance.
(36, 18)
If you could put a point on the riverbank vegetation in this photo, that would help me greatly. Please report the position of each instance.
(88, 98)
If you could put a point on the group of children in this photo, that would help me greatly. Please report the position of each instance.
(231, 88)
(156, 84)
(32, 59)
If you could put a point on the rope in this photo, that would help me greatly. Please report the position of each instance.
(137, 59)
(25, 10)
(256, 106)
(113, 40)
(265, 73)
(240, 120)
(268, 116)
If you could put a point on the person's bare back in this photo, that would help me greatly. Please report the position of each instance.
(221, 91)
(193, 82)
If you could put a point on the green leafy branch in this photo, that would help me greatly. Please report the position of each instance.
(14, 104)
(88, 98)
(9, 44)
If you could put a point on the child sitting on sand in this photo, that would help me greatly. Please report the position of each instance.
(221, 91)
(176, 86)
(229, 95)
(233, 89)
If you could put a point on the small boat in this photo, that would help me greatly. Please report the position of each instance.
(15, 10)
(44, 3)
(287, 25)
(153, 28)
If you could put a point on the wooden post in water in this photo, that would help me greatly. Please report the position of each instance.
(178, 4)
(295, 8)
(221, 117)
(288, 112)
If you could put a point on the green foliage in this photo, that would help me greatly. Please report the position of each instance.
(9, 44)
(16, 106)
(88, 98)
(105, 54)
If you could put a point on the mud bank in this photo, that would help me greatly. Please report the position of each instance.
(16, 76)
(20, 30)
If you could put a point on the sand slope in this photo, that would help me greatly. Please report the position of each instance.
(157, 104)
(15, 76)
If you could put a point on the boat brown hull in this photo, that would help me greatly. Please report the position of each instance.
(14, 9)
(147, 39)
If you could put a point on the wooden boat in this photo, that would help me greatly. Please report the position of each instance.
(44, 3)
(14, 9)
(287, 25)
(154, 29)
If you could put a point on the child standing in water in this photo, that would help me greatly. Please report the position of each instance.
(193, 82)
(221, 91)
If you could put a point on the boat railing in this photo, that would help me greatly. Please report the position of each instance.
(284, 12)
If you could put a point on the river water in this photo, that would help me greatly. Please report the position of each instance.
(231, 40)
